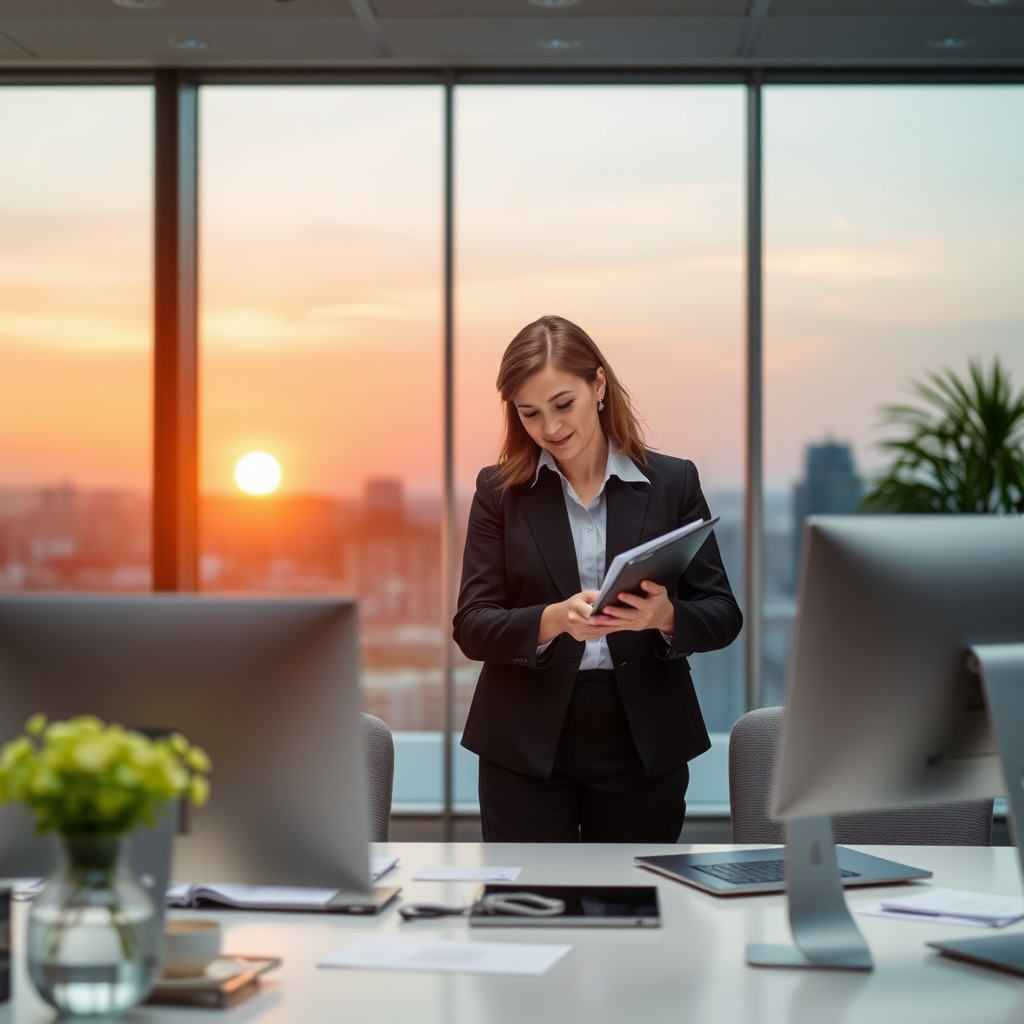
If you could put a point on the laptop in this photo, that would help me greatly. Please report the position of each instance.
(1003, 952)
(762, 870)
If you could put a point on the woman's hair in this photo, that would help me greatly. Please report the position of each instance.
(555, 341)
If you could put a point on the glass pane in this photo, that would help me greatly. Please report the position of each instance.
(622, 209)
(893, 232)
(76, 215)
(321, 345)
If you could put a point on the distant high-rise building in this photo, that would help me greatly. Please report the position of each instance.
(830, 485)
(384, 500)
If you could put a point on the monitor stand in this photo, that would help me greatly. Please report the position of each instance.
(824, 933)
(1001, 667)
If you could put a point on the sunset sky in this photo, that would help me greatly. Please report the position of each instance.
(894, 233)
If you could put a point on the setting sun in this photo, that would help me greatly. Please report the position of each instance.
(257, 473)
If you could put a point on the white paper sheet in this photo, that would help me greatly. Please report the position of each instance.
(447, 957)
(466, 874)
(951, 906)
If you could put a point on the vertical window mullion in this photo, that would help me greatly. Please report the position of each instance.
(754, 518)
(175, 337)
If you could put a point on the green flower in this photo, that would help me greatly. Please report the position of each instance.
(83, 776)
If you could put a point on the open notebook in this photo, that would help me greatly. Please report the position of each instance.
(287, 897)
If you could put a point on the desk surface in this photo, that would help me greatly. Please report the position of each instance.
(691, 969)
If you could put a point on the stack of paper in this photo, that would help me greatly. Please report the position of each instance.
(953, 906)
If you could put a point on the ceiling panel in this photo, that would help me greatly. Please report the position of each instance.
(657, 40)
(392, 34)
(249, 40)
(986, 9)
(9, 51)
(901, 41)
(581, 9)
(174, 9)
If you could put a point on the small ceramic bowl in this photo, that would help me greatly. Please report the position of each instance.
(190, 946)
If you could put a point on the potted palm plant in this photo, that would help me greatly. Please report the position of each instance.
(960, 450)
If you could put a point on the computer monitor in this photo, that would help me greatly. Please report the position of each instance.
(269, 687)
(906, 669)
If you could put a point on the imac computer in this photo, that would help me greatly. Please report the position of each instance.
(269, 687)
(905, 687)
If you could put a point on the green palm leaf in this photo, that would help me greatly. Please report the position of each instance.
(961, 450)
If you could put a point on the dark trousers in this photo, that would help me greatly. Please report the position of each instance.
(598, 791)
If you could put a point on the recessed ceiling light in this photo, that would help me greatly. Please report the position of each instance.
(189, 43)
(950, 42)
(557, 43)
(139, 4)
(554, 3)
(991, 3)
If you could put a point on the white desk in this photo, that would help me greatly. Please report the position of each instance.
(690, 970)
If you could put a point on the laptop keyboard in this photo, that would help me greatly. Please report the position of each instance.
(746, 872)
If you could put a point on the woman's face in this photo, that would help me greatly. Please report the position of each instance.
(559, 411)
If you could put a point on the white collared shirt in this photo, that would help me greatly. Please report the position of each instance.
(589, 525)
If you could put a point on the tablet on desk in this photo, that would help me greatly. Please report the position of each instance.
(663, 560)
(582, 906)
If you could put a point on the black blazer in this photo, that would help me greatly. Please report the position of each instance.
(520, 557)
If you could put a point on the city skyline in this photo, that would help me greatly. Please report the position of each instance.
(384, 549)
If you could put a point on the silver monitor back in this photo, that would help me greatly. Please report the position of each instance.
(268, 686)
(905, 688)
(881, 710)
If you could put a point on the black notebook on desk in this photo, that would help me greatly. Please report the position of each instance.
(762, 869)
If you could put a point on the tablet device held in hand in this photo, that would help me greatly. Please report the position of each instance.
(663, 560)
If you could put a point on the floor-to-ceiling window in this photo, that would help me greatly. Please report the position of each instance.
(894, 247)
(622, 209)
(892, 227)
(76, 182)
(321, 346)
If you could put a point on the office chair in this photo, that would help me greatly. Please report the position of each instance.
(753, 749)
(379, 769)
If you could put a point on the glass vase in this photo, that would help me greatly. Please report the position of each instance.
(92, 941)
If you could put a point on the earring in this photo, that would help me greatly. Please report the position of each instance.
(600, 405)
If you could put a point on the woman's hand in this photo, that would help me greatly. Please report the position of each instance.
(573, 616)
(651, 610)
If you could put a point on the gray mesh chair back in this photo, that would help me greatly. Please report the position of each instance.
(753, 749)
(379, 768)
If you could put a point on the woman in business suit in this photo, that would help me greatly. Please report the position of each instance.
(583, 720)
